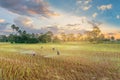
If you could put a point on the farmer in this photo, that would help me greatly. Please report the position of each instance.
(58, 53)
(53, 49)
(33, 53)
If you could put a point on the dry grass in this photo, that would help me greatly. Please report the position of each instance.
(74, 62)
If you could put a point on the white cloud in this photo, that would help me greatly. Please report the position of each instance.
(84, 4)
(66, 22)
(24, 21)
(87, 1)
(83, 1)
(105, 7)
(85, 8)
(94, 15)
(118, 16)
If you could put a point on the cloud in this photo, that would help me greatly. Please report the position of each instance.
(3, 24)
(70, 28)
(53, 28)
(66, 24)
(2, 20)
(84, 4)
(28, 7)
(87, 1)
(73, 25)
(24, 22)
(83, 1)
(4, 27)
(118, 16)
(105, 7)
(85, 8)
(94, 15)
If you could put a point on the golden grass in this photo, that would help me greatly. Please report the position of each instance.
(73, 63)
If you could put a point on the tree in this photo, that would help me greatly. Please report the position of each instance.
(95, 35)
(13, 27)
(33, 35)
(20, 32)
(70, 37)
(11, 38)
(56, 39)
(112, 38)
(79, 37)
(64, 37)
(24, 32)
(3, 38)
(17, 29)
(43, 38)
(25, 37)
(49, 35)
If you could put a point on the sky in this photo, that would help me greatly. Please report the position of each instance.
(70, 16)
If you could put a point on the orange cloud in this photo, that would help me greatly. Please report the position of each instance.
(28, 7)
(24, 22)
(2, 20)
(116, 35)
(54, 14)
(31, 11)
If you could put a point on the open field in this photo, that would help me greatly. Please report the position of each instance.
(77, 61)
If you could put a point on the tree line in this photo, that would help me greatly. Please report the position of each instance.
(22, 36)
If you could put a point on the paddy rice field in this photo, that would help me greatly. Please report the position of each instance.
(76, 61)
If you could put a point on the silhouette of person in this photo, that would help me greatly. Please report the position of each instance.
(33, 53)
(58, 53)
(53, 49)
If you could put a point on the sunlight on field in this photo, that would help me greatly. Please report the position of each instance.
(77, 61)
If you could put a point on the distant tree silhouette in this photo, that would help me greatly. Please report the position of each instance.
(112, 38)
(22, 36)
(95, 35)
(13, 27)
(63, 36)
(47, 37)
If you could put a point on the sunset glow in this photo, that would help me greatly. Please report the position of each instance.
(62, 15)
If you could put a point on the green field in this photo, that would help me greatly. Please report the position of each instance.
(77, 61)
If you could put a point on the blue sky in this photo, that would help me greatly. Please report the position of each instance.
(109, 15)
(60, 15)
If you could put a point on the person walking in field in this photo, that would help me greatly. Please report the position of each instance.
(53, 49)
(58, 53)
(33, 53)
